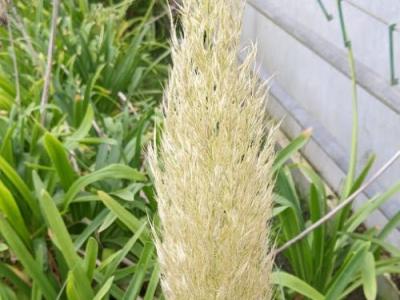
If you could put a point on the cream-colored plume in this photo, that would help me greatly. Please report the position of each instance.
(213, 169)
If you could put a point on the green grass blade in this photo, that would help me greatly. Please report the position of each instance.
(6, 148)
(388, 247)
(6, 103)
(63, 241)
(37, 184)
(294, 254)
(7, 293)
(344, 214)
(120, 255)
(104, 289)
(317, 209)
(125, 67)
(32, 268)
(285, 154)
(124, 272)
(74, 287)
(92, 81)
(60, 161)
(116, 171)
(71, 288)
(92, 227)
(83, 129)
(137, 280)
(90, 257)
(83, 6)
(41, 256)
(20, 185)
(296, 284)
(363, 174)
(390, 226)
(344, 275)
(292, 223)
(276, 211)
(368, 276)
(115, 290)
(318, 235)
(153, 283)
(124, 216)
(136, 162)
(108, 221)
(14, 278)
(391, 266)
(59, 232)
(371, 205)
(287, 189)
(9, 207)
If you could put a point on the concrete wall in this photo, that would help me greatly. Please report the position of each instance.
(322, 91)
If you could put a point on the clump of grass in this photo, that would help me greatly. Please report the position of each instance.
(63, 186)
(213, 173)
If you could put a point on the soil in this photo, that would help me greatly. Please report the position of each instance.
(396, 280)
(358, 294)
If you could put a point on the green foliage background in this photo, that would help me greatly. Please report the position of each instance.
(61, 236)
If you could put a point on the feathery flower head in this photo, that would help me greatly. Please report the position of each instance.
(213, 169)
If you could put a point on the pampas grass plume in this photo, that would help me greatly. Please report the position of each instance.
(213, 169)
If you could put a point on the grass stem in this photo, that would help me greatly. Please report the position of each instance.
(47, 76)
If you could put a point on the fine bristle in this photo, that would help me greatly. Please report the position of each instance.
(213, 168)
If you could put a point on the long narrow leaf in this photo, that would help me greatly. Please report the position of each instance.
(153, 283)
(363, 174)
(381, 267)
(104, 289)
(26, 259)
(369, 276)
(116, 171)
(60, 161)
(10, 209)
(83, 129)
(20, 185)
(63, 241)
(137, 280)
(345, 274)
(371, 205)
(285, 154)
(92, 227)
(319, 235)
(113, 265)
(90, 257)
(59, 232)
(6, 292)
(296, 284)
(13, 276)
(124, 215)
(343, 215)
(292, 223)
(390, 226)
(75, 291)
